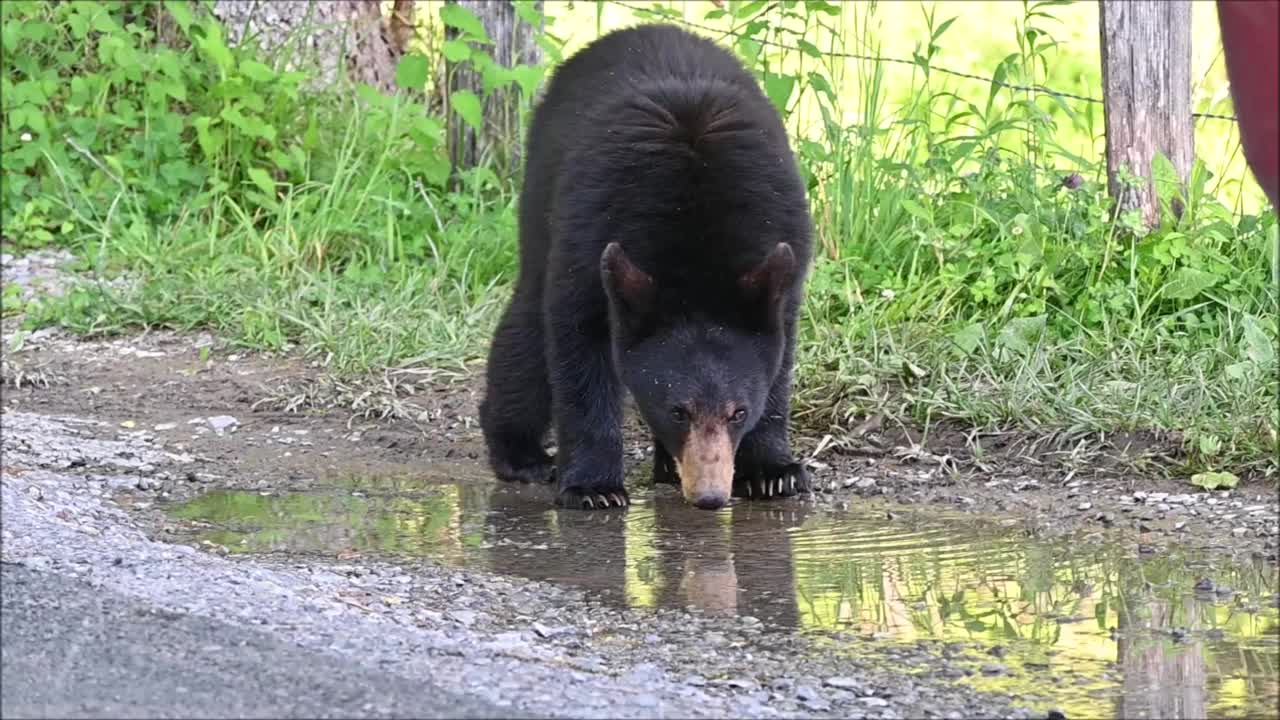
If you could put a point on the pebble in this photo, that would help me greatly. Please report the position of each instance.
(222, 423)
(466, 617)
(843, 683)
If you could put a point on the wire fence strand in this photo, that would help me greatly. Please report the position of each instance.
(902, 61)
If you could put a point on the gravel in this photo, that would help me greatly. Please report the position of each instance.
(533, 647)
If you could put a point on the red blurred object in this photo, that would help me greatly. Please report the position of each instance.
(1251, 43)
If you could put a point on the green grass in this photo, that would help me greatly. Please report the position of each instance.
(960, 280)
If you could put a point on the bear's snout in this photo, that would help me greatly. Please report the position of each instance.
(710, 501)
(705, 466)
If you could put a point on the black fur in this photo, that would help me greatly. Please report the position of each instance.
(660, 141)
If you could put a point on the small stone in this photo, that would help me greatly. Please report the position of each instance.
(161, 427)
(222, 423)
(1084, 506)
(465, 617)
(646, 700)
(544, 631)
(1204, 584)
(994, 669)
(1056, 714)
(873, 701)
(807, 693)
(1239, 532)
(842, 683)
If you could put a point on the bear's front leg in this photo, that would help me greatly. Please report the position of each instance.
(587, 401)
(764, 466)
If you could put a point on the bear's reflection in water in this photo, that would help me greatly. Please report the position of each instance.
(660, 552)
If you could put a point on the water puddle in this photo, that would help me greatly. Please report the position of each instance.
(1102, 630)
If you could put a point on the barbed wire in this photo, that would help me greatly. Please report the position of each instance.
(901, 61)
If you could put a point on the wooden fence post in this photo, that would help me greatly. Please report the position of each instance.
(514, 43)
(1146, 83)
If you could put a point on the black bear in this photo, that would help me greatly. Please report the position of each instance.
(665, 238)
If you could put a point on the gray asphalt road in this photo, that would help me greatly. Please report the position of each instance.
(71, 650)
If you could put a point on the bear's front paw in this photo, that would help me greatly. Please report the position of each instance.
(784, 481)
(540, 472)
(579, 498)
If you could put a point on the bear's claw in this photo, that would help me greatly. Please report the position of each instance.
(579, 499)
(792, 479)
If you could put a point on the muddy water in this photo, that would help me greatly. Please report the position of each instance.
(1106, 631)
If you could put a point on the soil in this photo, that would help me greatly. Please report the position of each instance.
(295, 425)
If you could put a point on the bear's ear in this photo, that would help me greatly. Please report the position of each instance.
(764, 286)
(630, 289)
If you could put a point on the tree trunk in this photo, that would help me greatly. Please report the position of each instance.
(1146, 81)
(500, 140)
(325, 36)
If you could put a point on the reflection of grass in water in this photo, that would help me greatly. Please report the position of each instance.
(328, 522)
(1049, 604)
(643, 581)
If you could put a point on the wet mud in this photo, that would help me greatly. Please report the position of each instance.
(1113, 630)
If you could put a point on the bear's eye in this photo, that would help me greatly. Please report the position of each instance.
(738, 416)
(679, 414)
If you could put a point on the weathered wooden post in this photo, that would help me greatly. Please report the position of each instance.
(514, 43)
(1146, 83)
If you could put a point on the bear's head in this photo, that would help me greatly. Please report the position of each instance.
(701, 381)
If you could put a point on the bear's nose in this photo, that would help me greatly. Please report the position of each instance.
(710, 501)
